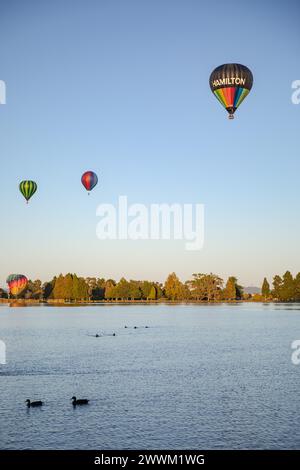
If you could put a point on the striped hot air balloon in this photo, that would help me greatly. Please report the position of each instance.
(231, 83)
(16, 283)
(28, 188)
(89, 180)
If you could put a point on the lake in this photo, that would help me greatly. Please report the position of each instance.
(200, 377)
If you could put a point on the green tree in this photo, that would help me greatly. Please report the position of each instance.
(159, 290)
(110, 289)
(123, 289)
(265, 289)
(135, 292)
(68, 286)
(205, 287)
(3, 294)
(75, 290)
(47, 289)
(83, 290)
(152, 293)
(277, 287)
(58, 289)
(92, 285)
(288, 287)
(230, 291)
(297, 287)
(146, 287)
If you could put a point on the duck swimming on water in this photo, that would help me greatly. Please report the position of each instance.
(82, 401)
(33, 403)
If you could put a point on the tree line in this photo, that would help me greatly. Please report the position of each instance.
(286, 288)
(202, 287)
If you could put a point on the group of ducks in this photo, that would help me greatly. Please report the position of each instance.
(97, 335)
(75, 402)
(135, 327)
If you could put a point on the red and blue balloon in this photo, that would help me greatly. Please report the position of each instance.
(89, 180)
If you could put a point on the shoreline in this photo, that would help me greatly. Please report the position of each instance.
(63, 303)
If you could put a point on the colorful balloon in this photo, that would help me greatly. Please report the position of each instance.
(89, 180)
(231, 83)
(16, 283)
(28, 188)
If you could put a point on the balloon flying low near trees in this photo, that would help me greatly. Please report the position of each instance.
(16, 283)
(28, 188)
(231, 83)
(89, 180)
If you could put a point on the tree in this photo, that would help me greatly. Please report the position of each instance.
(265, 289)
(135, 292)
(3, 294)
(146, 287)
(230, 291)
(123, 289)
(277, 287)
(92, 285)
(75, 289)
(175, 289)
(152, 294)
(288, 287)
(205, 287)
(110, 289)
(58, 289)
(34, 290)
(239, 291)
(83, 291)
(198, 286)
(70, 287)
(297, 287)
(47, 289)
(159, 290)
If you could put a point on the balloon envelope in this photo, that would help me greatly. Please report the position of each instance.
(16, 283)
(28, 188)
(231, 83)
(89, 180)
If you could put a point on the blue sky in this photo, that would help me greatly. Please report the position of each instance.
(121, 87)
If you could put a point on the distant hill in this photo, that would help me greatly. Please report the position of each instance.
(252, 290)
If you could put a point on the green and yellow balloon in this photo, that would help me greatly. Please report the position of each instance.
(28, 188)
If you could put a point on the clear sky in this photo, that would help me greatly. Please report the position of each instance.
(121, 87)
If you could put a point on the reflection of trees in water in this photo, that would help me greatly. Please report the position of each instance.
(18, 303)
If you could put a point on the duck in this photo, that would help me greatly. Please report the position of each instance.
(33, 403)
(82, 401)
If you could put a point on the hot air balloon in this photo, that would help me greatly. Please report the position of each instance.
(89, 180)
(16, 283)
(28, 188)
(231, 83)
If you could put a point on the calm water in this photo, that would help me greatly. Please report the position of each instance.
(200, 377)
